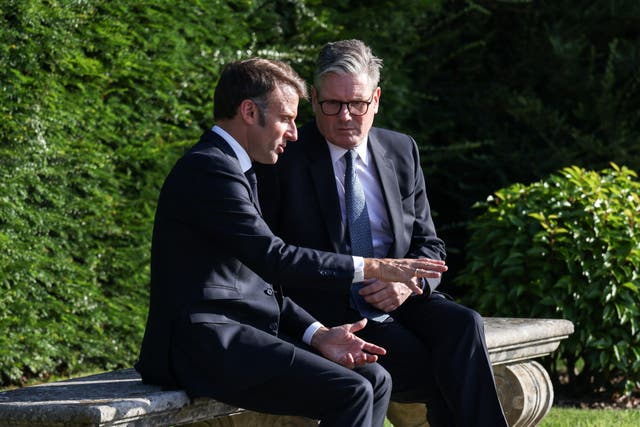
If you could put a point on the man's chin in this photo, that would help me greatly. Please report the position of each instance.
(347, 143)
(270, 161)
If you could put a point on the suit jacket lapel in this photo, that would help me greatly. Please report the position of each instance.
(210, 137)
(390, 190)
(325, 186)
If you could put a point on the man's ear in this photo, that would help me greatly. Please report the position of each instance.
(249, 111)
(376, 98)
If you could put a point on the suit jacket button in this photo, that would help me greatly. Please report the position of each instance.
(268, 291)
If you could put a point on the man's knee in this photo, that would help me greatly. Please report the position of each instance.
(382, 378)
(375, 379)
(467, 319)
(474, 318)
(355, 390)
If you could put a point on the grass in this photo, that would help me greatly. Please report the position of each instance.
(570, 417)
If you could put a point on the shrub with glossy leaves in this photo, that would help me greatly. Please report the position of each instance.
(566, 247)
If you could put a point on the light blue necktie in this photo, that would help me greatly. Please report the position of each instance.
(359, 233)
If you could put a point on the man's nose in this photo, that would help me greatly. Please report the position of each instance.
(344, 111)
(292, 132)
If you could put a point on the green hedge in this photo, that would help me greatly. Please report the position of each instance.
(98, 99)
(566, 247)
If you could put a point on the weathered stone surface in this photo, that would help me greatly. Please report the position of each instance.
(120, 399)
(113, 398)
(525, 391)
(407, 414)
(510, 340)
(256, 419)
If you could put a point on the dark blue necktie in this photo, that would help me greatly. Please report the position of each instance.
(253, 183)
(359, 233)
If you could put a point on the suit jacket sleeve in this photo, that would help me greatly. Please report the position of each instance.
(232, 221)
(424, 240)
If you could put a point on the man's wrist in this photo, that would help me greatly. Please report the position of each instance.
(310, 331)
(358, 269)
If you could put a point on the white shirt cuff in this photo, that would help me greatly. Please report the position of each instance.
(358, 269)
(308, 334)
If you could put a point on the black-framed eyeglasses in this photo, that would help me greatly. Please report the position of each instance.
(355, 108)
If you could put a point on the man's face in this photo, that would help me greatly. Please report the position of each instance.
(344, 129)
(268, 139)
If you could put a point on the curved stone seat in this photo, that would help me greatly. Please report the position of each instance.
(119, 398)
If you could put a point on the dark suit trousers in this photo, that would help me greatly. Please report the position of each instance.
(436, 353)
(312, 387)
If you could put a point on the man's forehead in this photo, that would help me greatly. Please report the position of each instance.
(284, 98)
(344, 85)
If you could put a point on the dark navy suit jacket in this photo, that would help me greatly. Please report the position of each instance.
(213, 259)
(299, 200)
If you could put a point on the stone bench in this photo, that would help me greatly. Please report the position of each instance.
(119, 398)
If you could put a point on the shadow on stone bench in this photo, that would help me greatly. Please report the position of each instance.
(119, 398)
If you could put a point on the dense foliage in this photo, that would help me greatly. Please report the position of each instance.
(569, 247)
(97, 101)
(98, 98)
(510, 91)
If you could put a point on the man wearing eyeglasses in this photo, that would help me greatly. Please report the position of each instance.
(345, 182)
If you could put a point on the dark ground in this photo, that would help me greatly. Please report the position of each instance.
(568, 397)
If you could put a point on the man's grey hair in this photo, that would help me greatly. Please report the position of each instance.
(351, 57)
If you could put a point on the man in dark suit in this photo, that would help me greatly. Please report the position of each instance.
(216, 325)
(436, 351)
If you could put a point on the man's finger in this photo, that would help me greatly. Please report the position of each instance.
(347, 361)
(372, 288)
(430, 265)
(414, 287)
(357, 326)
(433, 261)
(421, 273)
(373, 349)
(370, 358)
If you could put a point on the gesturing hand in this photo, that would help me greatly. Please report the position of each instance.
(403, 270)
(340, 345)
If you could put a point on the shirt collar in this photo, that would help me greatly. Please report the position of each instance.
(241, 154)
(338, 152)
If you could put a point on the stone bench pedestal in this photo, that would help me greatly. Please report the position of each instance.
(524, 387)
(120, 399)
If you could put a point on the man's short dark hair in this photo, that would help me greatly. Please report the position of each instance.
(254, 79)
